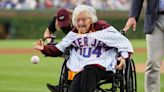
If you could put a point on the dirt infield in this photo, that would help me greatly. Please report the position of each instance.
(17, 51)
(139, 67)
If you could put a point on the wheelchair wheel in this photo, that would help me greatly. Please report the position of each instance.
(63, 82)
(128, 82)
(116, 83)
(122, 81)
(130, 77)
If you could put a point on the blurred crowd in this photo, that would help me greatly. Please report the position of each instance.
(44, 4)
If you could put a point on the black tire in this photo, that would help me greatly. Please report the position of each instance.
(130, 77)
(126, 83)
(63, 82)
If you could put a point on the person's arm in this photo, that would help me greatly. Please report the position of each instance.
(134, 14)
(58, 49)
(52, 25)
(47, 33)
(135, 9)
(48, 50)
(51, 50)
(51, 28)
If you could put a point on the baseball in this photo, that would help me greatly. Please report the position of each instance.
(35, 59)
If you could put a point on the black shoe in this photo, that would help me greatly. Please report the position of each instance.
(53, 88)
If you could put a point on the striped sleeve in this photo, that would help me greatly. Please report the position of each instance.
(66, 41)
(51, 50)
(113, 38)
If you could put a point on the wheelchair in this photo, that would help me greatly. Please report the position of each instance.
(119, 81)
(122, 81)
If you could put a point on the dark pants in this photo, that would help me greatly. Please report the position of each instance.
(87, 80)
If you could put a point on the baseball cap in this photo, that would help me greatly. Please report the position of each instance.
(63, 16)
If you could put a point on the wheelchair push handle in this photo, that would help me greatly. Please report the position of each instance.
(50, 40)
(50, 37)
(122, 32)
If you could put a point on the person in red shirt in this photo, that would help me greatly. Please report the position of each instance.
(61, 21)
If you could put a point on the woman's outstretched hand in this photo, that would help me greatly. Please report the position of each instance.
(39, 45)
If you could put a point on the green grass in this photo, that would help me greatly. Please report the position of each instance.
(16, 43)
(139, 58)
(18, 74)
(138, 43)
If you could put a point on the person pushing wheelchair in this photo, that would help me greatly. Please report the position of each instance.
(96, 48)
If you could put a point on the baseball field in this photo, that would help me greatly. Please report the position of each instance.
(18, 74)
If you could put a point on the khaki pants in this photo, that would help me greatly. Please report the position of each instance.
(155, 53)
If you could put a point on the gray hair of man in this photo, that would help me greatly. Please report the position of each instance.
(84, 8)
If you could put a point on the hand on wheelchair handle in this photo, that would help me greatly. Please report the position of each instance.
(121, 64)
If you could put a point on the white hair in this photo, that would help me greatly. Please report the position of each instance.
(84, 8)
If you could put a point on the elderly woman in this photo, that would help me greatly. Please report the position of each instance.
(95, 46)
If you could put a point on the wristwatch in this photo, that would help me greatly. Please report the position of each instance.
(125, 54)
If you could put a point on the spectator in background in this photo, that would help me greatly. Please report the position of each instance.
(30, 4)
(122, 5)
(68, 4)
(2, 4)
(97, 4)
(10, 4)
(48, 3)
(154, 30)
(26, 5)
(71, 4)
(56, 3)
(87, 2)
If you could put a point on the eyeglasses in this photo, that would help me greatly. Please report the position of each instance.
(83, 19)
